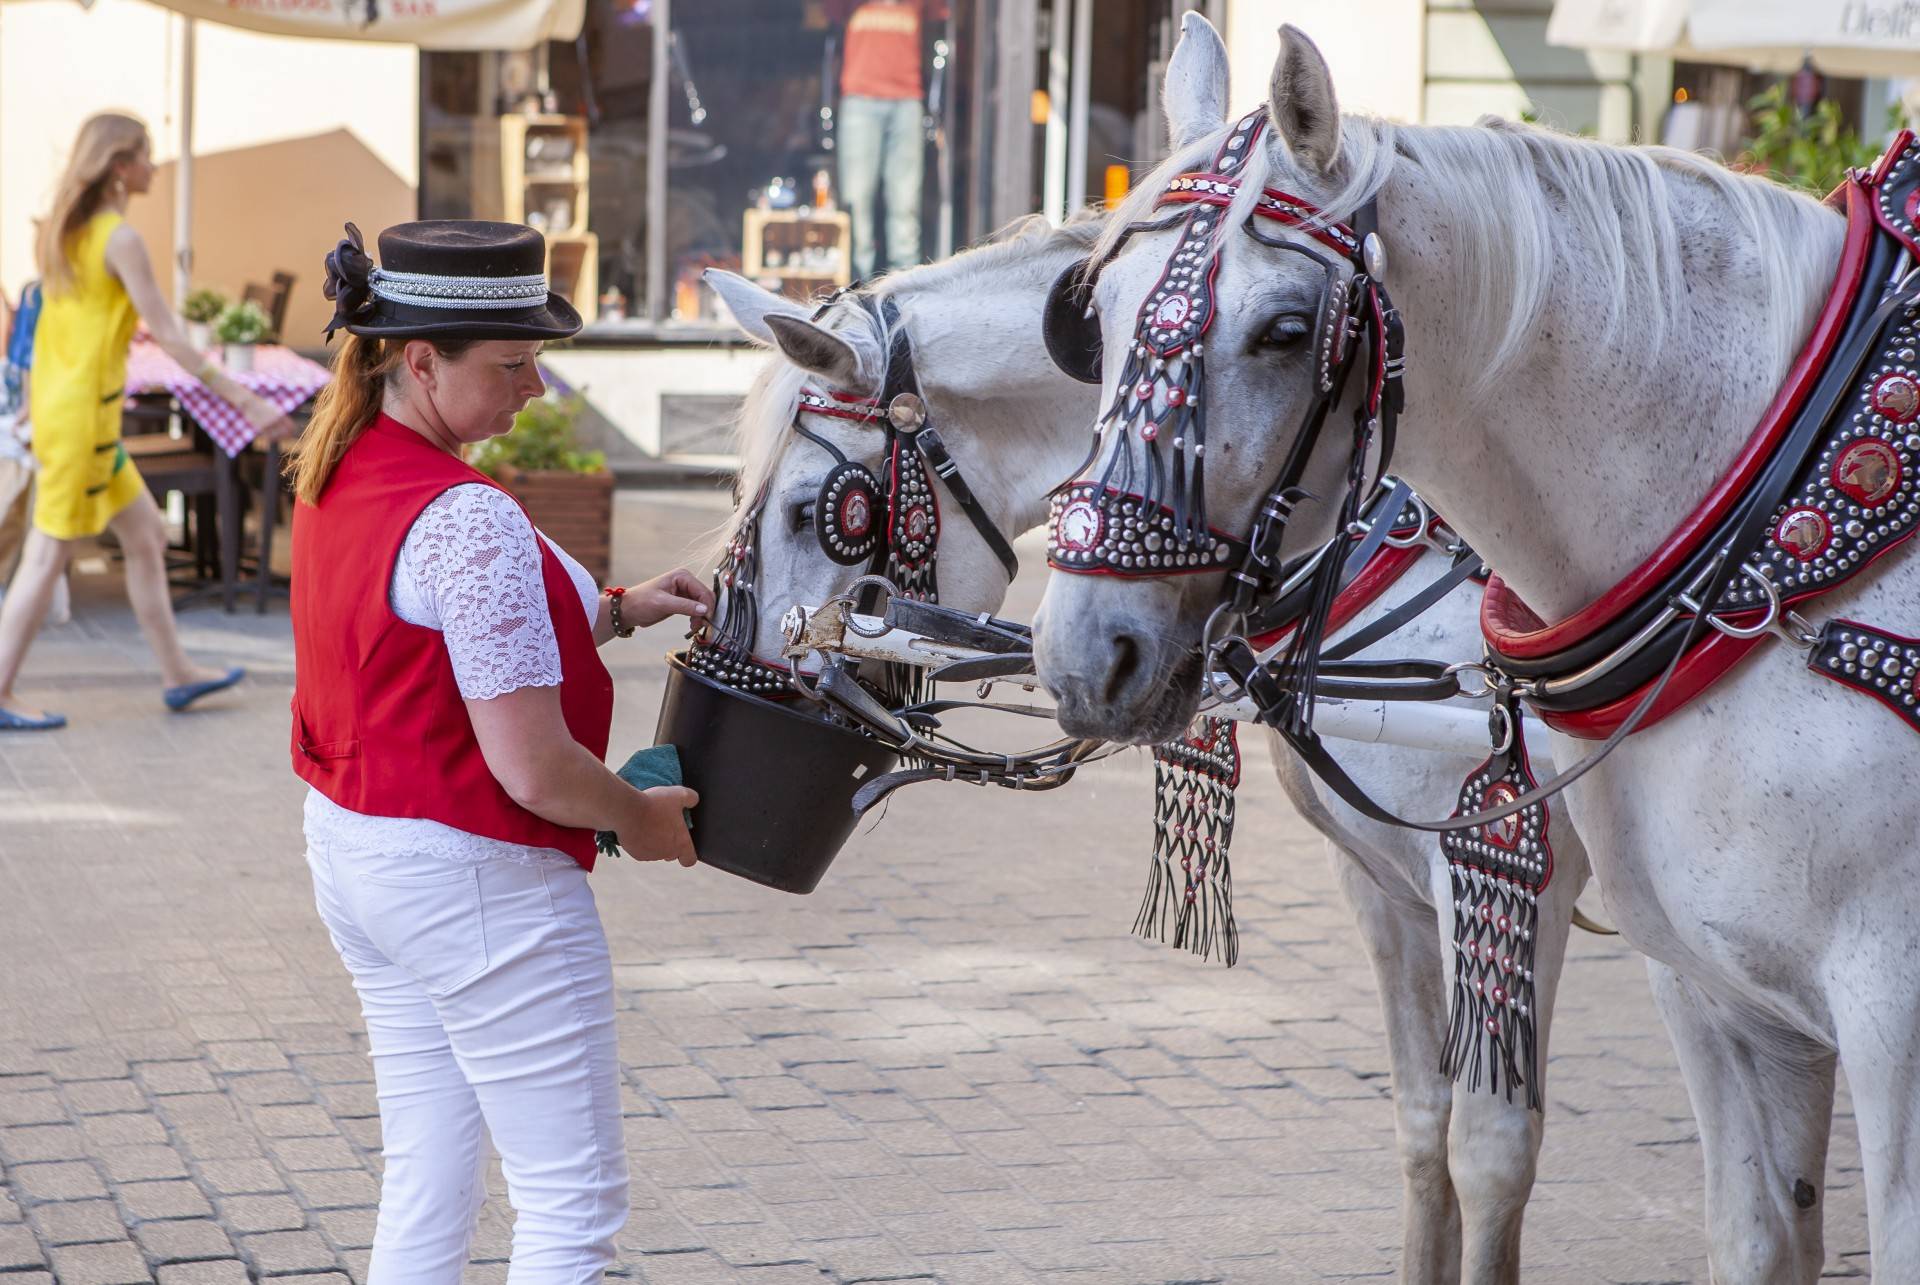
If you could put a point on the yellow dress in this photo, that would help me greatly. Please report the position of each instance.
(76, 387)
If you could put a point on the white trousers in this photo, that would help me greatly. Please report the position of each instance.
(488, 996)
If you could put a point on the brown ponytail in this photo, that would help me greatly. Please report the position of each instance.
(362, 370)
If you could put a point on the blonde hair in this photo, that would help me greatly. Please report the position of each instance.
(105, 140)
(362, 370)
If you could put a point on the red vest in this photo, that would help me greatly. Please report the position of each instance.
(379, 726)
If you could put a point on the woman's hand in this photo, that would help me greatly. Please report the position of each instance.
(271, 424)
(657, 831)
(677, 593)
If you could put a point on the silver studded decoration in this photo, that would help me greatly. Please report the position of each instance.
(1885, 666)
(1091, 528)
(1150, 503)
(724, 652)
(1497, 872)
(1189, 896)
(1859, 493)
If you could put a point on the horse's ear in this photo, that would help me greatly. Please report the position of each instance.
(1302, 105)
(816, 349)
(1194, 93)
(751, 305)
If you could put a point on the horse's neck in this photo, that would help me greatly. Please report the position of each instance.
(1583, 460)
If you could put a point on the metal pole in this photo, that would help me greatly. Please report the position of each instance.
(1082, 81)
(657, 161)
(1053, 182)
(183, 175)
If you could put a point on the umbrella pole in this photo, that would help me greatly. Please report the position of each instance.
(183, 175)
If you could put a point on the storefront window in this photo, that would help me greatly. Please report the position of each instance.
(755, 162)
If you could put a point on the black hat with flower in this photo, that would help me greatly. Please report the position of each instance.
(447, 279)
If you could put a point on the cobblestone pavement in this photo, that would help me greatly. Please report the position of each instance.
(951, 1064)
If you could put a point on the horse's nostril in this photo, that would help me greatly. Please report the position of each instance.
(1126, 662)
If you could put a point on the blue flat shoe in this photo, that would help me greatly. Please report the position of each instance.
(12, 722)
(178, 698)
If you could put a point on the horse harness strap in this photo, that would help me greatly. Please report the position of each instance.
(1836, 488)
(1843, 470)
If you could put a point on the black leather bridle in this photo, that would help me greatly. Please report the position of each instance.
(1150, 518)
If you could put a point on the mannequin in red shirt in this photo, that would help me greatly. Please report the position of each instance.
(879, 122)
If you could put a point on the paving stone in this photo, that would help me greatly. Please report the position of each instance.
(262, 1213)
(117, 1264)
(63, 1180)
(300, 1154)
(336, 1189)
(43, 1107)
(102, 1096)
(230, 1272)
(123, 1130)
(19, 1248)
(237, 1177)
(166, 1078)
(73, 1222)
(279, 1253)
(146, 1200)
(179, 1242)
(30, 1142)
(133, 1164)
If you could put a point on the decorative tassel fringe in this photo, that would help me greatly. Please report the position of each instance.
(1497, 873)
(1194, 782)
(1174, 382)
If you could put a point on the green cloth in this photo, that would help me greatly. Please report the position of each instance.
(643, 770)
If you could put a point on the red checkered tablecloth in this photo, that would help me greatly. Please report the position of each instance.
(280, 375)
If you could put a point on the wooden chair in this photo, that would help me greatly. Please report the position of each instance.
(171, 463)
(272, 300)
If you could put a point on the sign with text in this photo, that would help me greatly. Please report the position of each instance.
(430, 24)
(1843, 37)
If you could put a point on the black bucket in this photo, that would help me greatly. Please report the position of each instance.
(776, 784)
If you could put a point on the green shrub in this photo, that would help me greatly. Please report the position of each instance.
(243, 323)
(542, 440)
(1812, 152)
(203, 305)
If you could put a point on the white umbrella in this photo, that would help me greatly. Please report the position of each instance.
(1843, 37)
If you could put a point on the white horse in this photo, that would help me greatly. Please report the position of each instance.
(1592, 332)
(1016, 426)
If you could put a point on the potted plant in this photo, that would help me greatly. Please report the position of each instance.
(240, 327)
(202, 308)
(567, 491)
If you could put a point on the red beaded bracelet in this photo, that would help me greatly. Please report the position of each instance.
(613, 613)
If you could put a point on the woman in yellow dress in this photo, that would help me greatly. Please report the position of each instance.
(97, 282)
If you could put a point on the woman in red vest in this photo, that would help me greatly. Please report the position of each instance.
(451, 713)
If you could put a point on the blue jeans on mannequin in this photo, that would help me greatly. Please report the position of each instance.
(881, 136)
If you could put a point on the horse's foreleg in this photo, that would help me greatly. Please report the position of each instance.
(1399, 941)
(1880, 1047)
(1763, 1098)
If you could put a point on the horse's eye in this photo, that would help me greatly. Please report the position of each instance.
(1289, 330)
(800, 516)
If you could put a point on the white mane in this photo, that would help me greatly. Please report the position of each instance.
(1520, 197)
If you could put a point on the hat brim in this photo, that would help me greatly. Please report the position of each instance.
(554, 319)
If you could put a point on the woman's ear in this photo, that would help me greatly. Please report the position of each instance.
(422, 361)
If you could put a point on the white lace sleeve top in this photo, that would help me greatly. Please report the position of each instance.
(470, 568)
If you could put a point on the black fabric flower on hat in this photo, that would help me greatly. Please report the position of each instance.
(349, 281)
